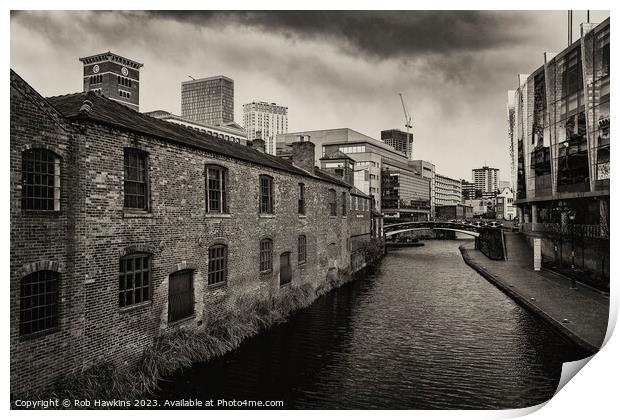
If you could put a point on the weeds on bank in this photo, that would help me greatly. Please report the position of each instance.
(244, 316)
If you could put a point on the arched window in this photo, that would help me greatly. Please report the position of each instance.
(134, 280)
(301, 249)
(38, 302)
(216, 183)
(40, 180)
(218, 264)
(266, 255)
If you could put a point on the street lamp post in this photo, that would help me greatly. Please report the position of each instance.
(571, 217)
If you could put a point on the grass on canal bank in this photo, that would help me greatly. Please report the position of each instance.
(243, 316)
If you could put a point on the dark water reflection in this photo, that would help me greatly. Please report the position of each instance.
(426, 332)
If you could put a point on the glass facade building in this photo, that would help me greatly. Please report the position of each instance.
(405, 195)
(559, 133)
(209, 101)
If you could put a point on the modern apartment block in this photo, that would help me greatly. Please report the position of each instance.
(210, 100)
(263, 120)
(561, 133)
(113, 76)
(427, 170)
(468, 190)
(405, 196)
(447, 191)
(561, 138)
(486, 179)
(399, 140)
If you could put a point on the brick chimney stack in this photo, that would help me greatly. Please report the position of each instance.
(303, 155)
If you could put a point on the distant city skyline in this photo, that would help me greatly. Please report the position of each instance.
(325, 67)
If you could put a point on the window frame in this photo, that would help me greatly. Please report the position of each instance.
(39, 156)
(301, 199)
(265, 207)
(190, 293)
(55, 304)
(344, 203)
(222, 191)
(215, 271)
(266, 255)
(333, 205)
(138, 154)
(302, 249)
(123, 272)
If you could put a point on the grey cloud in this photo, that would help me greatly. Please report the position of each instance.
(378, 34)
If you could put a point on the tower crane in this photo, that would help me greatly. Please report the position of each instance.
(407, 125)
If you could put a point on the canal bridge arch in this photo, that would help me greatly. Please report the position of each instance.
(396, 228)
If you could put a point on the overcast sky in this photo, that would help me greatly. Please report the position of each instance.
(332, 69)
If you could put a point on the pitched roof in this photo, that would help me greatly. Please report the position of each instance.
(355, 191)
(336, 154)
(109, 112)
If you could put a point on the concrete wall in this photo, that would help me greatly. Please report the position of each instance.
(590, 254)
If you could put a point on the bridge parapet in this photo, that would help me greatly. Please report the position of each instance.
(490, 241)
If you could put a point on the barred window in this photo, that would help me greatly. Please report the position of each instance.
(136, 179)
(134, 284)
(266, 194)
(331, 200)
(344, 203)
(266, 255)
(40, 180)
(218, 264)
(301, 249)
(38, 302)
(301, 204)
(215, 182)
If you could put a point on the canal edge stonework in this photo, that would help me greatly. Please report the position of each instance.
(555, 324)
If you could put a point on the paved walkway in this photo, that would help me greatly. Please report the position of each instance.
(580, 315)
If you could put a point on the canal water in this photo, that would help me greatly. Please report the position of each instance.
(426, 331)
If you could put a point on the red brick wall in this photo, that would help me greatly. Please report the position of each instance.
(93, 231)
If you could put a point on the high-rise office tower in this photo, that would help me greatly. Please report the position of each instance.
(399, 140)
(113, 76)
(486, 179)
(265, 121)
(209, 101)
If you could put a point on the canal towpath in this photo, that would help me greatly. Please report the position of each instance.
(580, 315)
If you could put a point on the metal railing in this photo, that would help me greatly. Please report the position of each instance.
(586, 231)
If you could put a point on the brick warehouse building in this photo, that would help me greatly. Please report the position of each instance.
(114, 242)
